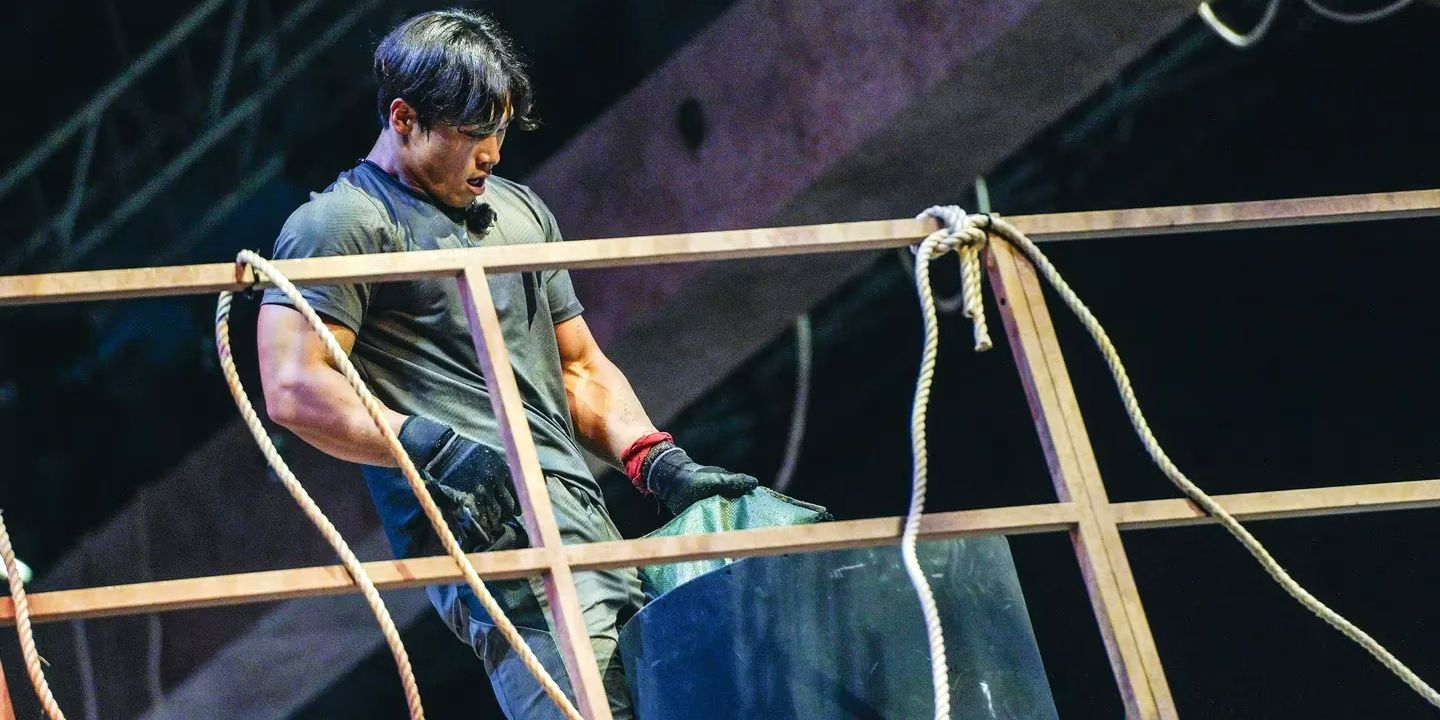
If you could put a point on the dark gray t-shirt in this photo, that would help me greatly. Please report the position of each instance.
(413, 345)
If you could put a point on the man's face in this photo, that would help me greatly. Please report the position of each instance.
(450, 163)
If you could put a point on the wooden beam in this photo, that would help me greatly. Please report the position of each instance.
(1114, 597)
(695, 247)
(566, 614)
(1278, 504)
(389, 267)
(7, 708)
(1019, 520)
(274, 585)
(1214, 217)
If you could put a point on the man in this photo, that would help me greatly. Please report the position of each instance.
(450, 86)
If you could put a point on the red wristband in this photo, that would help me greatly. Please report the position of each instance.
(634, 456)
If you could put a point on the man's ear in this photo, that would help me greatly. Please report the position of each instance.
(402, 117)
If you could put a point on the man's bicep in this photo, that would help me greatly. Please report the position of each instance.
(575, 343)
(287, 345)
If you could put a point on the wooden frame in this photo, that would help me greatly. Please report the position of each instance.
(7, 711)
(1096, 537)
(1084, 510)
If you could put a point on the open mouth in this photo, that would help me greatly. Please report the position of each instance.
(477, 184)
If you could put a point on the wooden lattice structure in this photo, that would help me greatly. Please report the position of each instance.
(1083, 508)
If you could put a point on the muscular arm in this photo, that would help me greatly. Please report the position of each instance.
(607, 415)
(306, 394)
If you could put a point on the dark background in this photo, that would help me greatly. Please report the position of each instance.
(1265, 360)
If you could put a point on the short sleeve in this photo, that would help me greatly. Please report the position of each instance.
(327, 226)
(559, 291)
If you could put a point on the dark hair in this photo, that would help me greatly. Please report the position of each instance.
(454, 67)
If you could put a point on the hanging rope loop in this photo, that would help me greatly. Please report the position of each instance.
(312, 510)
(28, 650)
(265, 271)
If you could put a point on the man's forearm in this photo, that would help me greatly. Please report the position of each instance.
(610, 421)
(325, 411)
(608, 416)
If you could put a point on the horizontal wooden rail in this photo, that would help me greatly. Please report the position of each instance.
(720, 245)
(1095, 224)
(1280, 504)
(394, 574)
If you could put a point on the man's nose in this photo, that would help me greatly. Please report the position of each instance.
(487, 152)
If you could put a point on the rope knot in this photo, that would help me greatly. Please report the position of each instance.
(965, 235)
(244, 267)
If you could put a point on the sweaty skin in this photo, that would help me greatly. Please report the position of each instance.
(448, 163)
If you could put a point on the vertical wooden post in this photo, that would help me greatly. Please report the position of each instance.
(570, 632)
(7, 710)
(1113, 594)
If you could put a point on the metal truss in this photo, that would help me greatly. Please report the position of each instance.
(208, 111)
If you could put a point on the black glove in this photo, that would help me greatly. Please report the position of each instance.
(679, 481)
(468, 481)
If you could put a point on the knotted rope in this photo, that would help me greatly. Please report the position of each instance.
(1162, 460)
(958, 235)
(967, 239)
(263, 268)
(23, 628)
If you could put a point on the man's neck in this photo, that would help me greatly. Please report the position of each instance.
(386, 155)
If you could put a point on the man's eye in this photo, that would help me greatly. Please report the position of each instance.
(479, 133)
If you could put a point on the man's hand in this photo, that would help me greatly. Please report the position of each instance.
(470, 482)
(680, 482)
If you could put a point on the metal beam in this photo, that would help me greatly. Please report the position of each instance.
(102, 100)
(262, 50)
(871, 117)
(202, 144)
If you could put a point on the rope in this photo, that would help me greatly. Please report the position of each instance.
(313, 511)
(1234, 38)
(1191, 491)
(939, 667)
(1358, 18)
(23, 628)
(804, 350)
(967, 241)
(1247, 39)
(263, 268)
